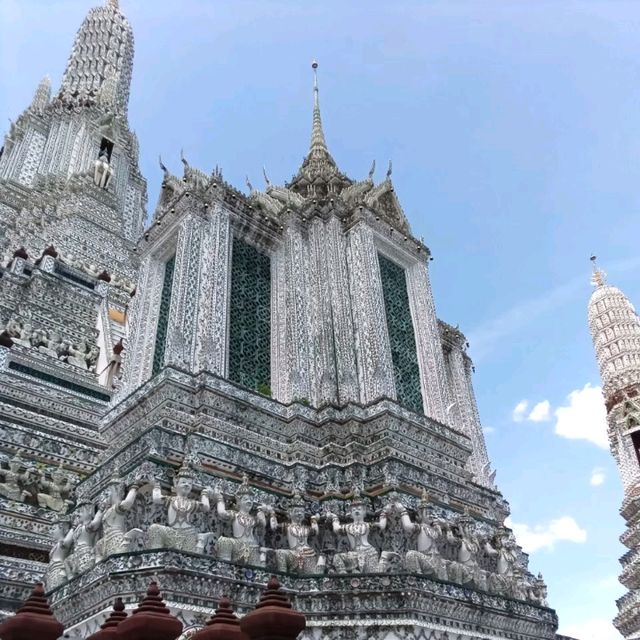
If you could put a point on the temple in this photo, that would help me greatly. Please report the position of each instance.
(615, 329)
(255, 384)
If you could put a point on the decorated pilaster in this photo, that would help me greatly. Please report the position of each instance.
(432, 372)
(462, 410)
(340, 309)
(212, 329)
(371, 340)
(143, 320)
(292, 260)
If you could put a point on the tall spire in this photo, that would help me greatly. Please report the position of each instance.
(102, 52)
(318, 174)
(318, 146)
(42, 96)
(615, 329)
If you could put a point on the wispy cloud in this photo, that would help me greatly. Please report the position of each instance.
(519, 412)
(598, 477)
(485, 338)
(591, 629)
(583, 417)
(545, 536)
(541, 412)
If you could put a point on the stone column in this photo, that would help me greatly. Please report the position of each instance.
(464, 411)
(213, 298)
(342, 318)
(323, 378)
(479, 444)
(33, 621)
(430, 356)
(291, 308)
(109, 629)
(273, 618)
(143, 322)
(151, 620)
(181, 334)
(223, 625)
(373, 353)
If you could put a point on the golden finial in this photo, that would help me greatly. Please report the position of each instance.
(598, 276)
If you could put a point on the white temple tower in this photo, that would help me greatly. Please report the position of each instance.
(615, 329)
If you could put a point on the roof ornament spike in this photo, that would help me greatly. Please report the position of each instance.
(389, 170)
(372, 170)
(266, 177)
(318, 142)
(113, 4)
(183, 159)
(598, 277)
(249, 185)
(164, 169)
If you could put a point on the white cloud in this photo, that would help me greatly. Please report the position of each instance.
(584, 417)
(541, 412)
(591, 629)
(597, 477)
(545, 536)
(488, 430)
(520, 411)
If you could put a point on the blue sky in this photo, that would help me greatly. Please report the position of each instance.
(513, 129)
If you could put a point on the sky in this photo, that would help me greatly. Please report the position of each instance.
(513, 130)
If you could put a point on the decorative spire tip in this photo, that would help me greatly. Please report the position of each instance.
(598, 276)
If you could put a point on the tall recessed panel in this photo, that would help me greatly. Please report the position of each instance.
(250, 317)
(163, 316)
(401, 335)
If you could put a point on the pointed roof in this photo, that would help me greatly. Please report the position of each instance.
(319, 173)
(102, 52)
(615, 329)
(42, 95)
(318, 147)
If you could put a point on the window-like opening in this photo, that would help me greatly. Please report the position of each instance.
(163, 316)
(402, 337)
(250, 318)
(106, 147)
(635, 438)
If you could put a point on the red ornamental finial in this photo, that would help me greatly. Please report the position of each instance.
(50, 251)
(33, 620)
(104, 276)
(21, 253)
(273, 618)
(118, 348)
(109, 630)
(152, 620)
(223, 625)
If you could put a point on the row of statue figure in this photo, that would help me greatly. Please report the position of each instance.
(80, 354)
(98, 534)
(31, 485)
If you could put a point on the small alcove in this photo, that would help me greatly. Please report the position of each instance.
(106, 146)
